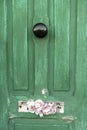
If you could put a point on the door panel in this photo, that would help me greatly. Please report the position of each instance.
(62, 42)
(19, 45)
(29, 125)
(55, 64)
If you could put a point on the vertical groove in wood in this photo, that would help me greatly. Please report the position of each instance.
(10, 46)
(73, 45)
(31, 47)
(51, 46)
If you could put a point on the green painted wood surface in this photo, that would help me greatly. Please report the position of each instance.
(4, 99)
(19, 45)
(56, 63)
(62, 43)
(53, 125)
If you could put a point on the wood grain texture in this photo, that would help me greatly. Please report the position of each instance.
(20, 65)
(17, 46)
(62, 42)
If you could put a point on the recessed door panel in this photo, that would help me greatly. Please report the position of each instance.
(38, 124)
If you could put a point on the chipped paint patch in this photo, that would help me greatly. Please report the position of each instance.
(69, 118)
(11, 115)
(8, 101)
(44, 91)
(40, 107)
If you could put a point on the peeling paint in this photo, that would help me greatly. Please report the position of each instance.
(8, 101)
(40, 107)
(44, 91)
(12, 115)
(69, 118)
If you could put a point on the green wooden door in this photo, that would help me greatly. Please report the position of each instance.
(56, 63)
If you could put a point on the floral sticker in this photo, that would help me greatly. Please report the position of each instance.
(40, 107)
